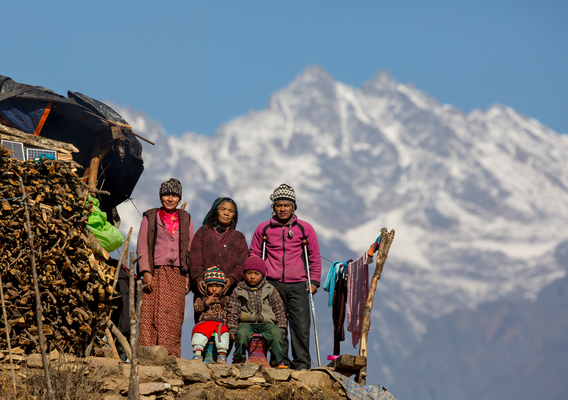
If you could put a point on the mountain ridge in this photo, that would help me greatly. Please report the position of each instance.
(476, 199)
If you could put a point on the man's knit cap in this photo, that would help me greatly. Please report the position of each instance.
(284, 192)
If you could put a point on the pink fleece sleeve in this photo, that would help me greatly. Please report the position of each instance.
(256, 242)
(314, 254)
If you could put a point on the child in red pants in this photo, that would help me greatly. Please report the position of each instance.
(212, 319)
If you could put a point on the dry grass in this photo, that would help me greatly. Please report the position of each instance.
(70, 381)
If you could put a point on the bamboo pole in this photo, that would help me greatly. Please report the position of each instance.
(39, 313)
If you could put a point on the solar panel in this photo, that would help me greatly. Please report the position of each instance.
(36, 153)
(18, 148)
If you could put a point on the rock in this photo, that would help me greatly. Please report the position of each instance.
(313, 379)
(153, 355)
(114, 385)
(102, 362)
(110, 365)
(54, 355)
(113, 397)
(277, 374)
(220, 370)
(232, 383)
(194, 371)
(171, 360)
(257, 380)
(34, 361)
(153, 387)
(248, 370)
(145, 371)
(175, 382)
(196, 390)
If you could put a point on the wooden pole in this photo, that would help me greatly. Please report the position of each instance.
(39, 313)
(384, 246)
(7, 327)
(121, 339)
(134, 383)
(111, 344)
(122, 254)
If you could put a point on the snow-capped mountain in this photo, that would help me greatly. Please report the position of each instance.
(478, 201)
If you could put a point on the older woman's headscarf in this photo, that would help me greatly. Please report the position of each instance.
(211, 217)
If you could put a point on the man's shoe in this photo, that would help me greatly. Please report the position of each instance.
(198, 357)
(221, 359)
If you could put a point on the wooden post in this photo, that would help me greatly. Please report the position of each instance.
(98, 154)
(39, 313)
(384, 246)
(134, 383)
(7, 327)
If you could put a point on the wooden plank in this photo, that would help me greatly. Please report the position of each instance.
(348, 362)
(8, 133)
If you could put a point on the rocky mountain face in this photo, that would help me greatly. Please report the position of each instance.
(478, 203)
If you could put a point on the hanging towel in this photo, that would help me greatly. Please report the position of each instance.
(357, 291)
(329, 285)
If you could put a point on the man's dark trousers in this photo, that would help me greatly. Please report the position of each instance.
(297, 305)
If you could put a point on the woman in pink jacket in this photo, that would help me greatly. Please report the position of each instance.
(164, 241)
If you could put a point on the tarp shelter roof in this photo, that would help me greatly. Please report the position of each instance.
(79, 120)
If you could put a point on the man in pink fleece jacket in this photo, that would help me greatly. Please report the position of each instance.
(286, 271)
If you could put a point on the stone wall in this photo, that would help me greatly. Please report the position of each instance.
(167, 377)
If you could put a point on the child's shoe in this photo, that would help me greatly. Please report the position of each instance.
(278, 365)
(198, 357)
(221, 359)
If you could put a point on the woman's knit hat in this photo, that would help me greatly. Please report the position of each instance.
(214, 275)
(256, 263)
(284, 192)
(171, 186)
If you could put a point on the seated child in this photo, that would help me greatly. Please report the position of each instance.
(256, 307)
(212, 318)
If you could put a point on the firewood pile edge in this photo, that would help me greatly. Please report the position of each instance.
(75, 282)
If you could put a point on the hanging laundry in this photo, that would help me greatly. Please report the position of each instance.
(331, 279)
(357, 291)
(338, 312)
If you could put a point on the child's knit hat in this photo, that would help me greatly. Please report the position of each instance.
(256, 263)
(214, 275)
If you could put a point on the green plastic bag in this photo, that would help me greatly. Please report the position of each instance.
(109, 237)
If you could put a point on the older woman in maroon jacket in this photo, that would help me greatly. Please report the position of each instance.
(217, 243)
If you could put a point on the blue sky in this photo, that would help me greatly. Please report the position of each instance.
(194, 65)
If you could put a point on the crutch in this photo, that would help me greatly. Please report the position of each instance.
(305, 245)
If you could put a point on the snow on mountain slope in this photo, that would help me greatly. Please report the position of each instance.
(477, 201)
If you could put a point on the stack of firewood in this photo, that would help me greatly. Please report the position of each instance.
(75, 282)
